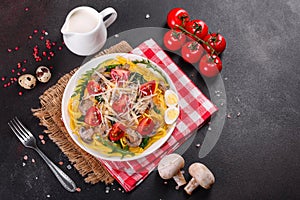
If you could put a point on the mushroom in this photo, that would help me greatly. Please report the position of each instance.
(86, 134)
(43, 74)
(27, 81)
(201, 176)
(133, 138)
(84, 105)
(169, 167)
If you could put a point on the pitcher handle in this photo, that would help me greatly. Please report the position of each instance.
(113, 16)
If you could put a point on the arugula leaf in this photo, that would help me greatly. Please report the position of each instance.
(144, 143)
(110, 67)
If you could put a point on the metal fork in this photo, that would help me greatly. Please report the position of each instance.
(28, 140)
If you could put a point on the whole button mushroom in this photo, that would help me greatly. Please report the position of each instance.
(169, 167)
(27, 81)
(43, 74)
(201, 176)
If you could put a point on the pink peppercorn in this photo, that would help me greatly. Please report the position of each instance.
(9, 50)
(16, 48)
(20, 93)
(35, 31)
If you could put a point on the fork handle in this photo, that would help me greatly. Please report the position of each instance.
(63, 178)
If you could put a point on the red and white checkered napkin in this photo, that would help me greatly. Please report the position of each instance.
(195, 110)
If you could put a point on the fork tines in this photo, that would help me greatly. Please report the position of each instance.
(19, 129)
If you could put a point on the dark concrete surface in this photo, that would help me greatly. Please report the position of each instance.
(257, 155)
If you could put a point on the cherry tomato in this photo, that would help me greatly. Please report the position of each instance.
(120, 74)
(121, 104)
(177, 17)
(93, 87)
(216, 41)
(191, 52)
(174, 40)
(93, 116)
(116, 132)
(145, 126)
(198, 28)
(210, 65)
(148, 88)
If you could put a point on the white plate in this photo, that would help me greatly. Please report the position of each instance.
(70, 89)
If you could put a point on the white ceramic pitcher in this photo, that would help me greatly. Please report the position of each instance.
(84, 31)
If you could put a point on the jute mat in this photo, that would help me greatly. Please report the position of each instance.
(49, 115)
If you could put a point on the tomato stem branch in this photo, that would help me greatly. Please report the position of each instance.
(199, 40)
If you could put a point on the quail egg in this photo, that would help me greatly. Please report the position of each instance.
(43, 74)
(27, 81)
(171, 98)
(171, 114)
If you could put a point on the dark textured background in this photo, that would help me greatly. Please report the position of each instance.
(257, 155)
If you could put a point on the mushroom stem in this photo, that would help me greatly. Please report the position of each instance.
(179, 179)
(191, 186)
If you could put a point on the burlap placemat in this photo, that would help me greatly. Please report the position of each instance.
(49, 115)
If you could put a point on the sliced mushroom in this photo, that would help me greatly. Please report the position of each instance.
(201, 176)
(101, 130)
(169, 167)
(162, 86)
(84, 105)
(133, 138)
(86, 134)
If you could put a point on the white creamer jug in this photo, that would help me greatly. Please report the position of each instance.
(84, 31)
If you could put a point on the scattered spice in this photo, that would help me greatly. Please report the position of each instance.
(48, 195)
(26, 9)
(229, 116)
(43, 141)
(25, 157)
(41, 136)
(147, 16)
(20, 93)
(209, 128)
(238, 114)
(198, 145)
(78, 189)
(60, 163)
(23, 164)
(32, 160)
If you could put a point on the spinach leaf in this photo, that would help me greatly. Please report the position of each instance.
(137, 77)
